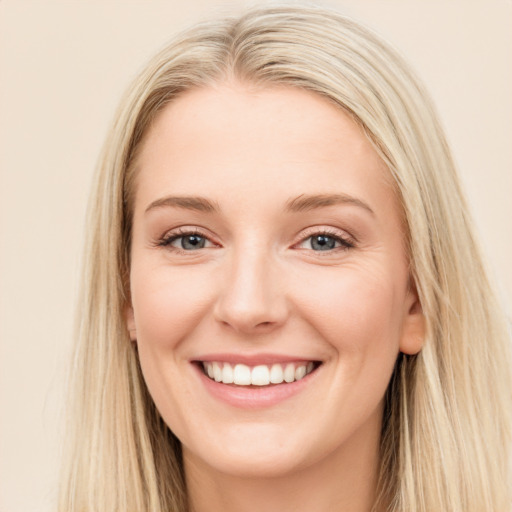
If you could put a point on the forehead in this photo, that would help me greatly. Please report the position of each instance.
(230, 138)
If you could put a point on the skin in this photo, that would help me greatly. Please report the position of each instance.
(259, 286)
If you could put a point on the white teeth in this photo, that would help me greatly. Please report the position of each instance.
(300, 372)
(217, 372)
(276, 374)
(289, 372)
(227, 374)
(261, 375)
(242, 375)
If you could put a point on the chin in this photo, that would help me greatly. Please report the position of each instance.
(260, 465)
(262, 454)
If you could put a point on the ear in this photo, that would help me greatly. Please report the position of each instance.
(130, 322)
(413, 327)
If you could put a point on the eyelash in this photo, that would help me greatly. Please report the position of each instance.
(168, 239)
(346, 242)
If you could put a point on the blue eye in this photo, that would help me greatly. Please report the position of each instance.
(186, 241)
(191, 242)
(322, 242)
(325, 242)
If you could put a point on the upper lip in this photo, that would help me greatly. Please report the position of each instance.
(253, 359)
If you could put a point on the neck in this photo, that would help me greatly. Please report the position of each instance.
(343, 480)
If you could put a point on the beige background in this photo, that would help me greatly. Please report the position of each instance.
(63, 66)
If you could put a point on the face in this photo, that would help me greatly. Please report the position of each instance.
(270, 293)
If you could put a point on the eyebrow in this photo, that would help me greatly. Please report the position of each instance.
(301, 203)
(304, 202)
(200, 204)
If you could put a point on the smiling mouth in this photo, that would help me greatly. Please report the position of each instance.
(260, 375)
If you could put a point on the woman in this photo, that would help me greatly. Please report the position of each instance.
(284, 305)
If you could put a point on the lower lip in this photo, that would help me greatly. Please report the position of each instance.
(253, 397)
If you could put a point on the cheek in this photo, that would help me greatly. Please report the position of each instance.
(357, 311)
(167, 303)
(354, 308)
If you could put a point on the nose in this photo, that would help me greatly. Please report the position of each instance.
(251, 299)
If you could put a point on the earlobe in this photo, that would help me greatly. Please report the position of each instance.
(130, 323)
(413, 329)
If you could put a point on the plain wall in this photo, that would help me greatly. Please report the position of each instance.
(63, 67)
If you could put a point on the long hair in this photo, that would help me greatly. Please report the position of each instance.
(446, 427)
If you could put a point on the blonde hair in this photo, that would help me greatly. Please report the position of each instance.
(446, 429)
